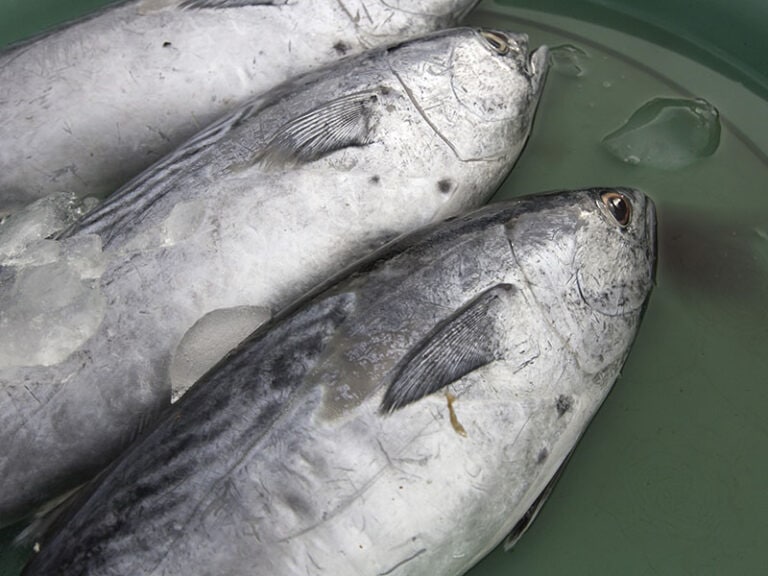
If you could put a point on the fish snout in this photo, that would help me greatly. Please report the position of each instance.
(652, 250)
(538, 66)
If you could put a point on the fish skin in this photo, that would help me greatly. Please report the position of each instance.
(88, 105)
(215, 227)
(282, 459)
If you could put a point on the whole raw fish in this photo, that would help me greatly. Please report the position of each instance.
(87, 106)
(251, 212)
(400, 420)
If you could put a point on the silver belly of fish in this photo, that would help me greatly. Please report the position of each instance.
(401, 419)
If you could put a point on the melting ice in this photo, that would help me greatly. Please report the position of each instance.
(568, 60)
(209, 340)
(50, 300)
(667, 133)
(40, 219)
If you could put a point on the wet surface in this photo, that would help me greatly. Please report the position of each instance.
(671, 476)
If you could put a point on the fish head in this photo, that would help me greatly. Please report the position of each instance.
(380, 21)
(478, 91)
(589, 259)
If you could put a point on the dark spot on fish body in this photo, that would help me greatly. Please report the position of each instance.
(445, 185)
(375, 179)
(341, 47)
(542, 456)
(563, 404)
(167, 44)
(298, 504)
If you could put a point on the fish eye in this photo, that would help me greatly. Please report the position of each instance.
(498, 42)
(618, 206)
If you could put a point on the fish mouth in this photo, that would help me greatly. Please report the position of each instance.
(653, 242)
(537, 65)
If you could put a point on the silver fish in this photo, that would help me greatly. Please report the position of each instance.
(254, 211)
(402, 419)
(87, 106)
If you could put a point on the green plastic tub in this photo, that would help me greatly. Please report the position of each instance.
(669, 96)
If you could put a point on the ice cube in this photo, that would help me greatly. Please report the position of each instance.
(667, 133)
(209, 340)
(183, 221)
(50, 301)
(39, 220)
(568, 60)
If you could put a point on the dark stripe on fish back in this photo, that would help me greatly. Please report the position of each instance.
(131, 202)
(161, 482)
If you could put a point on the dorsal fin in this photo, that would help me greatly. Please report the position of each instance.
(458, 345)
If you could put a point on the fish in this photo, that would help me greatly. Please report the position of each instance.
(258, 208)
(402, 418)
(90, 104)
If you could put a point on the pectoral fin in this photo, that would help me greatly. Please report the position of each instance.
(340, 123)
(458, 345)
(525, 522)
